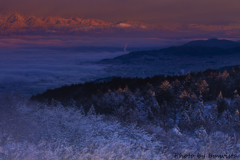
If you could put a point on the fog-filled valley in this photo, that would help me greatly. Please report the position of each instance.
(32, 71)
(30, 65)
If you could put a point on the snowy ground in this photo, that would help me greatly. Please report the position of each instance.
(30, 130)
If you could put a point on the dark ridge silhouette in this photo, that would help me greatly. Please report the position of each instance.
(227, 68)
(214, 42)
(92, 48)
(212, 47)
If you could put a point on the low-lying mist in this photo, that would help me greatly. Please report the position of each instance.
(32, 64)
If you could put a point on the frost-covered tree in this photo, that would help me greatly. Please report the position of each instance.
(236, 117)
(150, 114)
(82, 111)
(185, 106)
(164, 112)
(91, 111)
(222, 103)
(175, 131)
(199, 117)
(55, 103)
(129, 100)
(185, 118)
(164, 92)
(222, 81)
(213, 114)
(108, 102)
(192, 113)
(235, 104)
(153, 108)
(226, 117)
(188, 80)
(201, 132)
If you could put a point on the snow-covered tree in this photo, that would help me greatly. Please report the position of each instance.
(201, 132)
(185, 118)
(199, 117)
(91, 111)
(235, 104)
(226, 117)
(213, 114)
(82, 111)
(139, 99)
(236, 117)
(153, 108)
(164, 92)
(55, 103)
(222, 103)
(175, 131)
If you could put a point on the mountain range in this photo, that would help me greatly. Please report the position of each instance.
(17, 24)
(14, 23)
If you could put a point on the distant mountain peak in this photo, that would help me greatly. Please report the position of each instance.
(15, 17)
(13, 23)
(34, 21)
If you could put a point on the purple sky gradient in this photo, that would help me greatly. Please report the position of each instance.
(149, 11)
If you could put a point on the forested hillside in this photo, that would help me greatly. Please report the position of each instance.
(208, 98)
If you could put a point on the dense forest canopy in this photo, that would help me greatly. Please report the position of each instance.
(159, 99)
(208, 83)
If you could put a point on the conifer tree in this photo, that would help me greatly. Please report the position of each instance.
(199, 116)
(226, 117)
(185, 119)
(82, 110)
(201, 132)
(236, 94)
(139, 99)
(202, 86)
(222, 103)
(176, 130)
(213, 115)
(188, 96)
(92, 111)
(236, 117)
(164, 112)
(164, 92)
(152, 105)
(150, 113)
(235, 102)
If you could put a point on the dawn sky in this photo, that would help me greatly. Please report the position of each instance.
(148, 11)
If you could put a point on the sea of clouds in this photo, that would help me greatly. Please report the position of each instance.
(30, 65)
